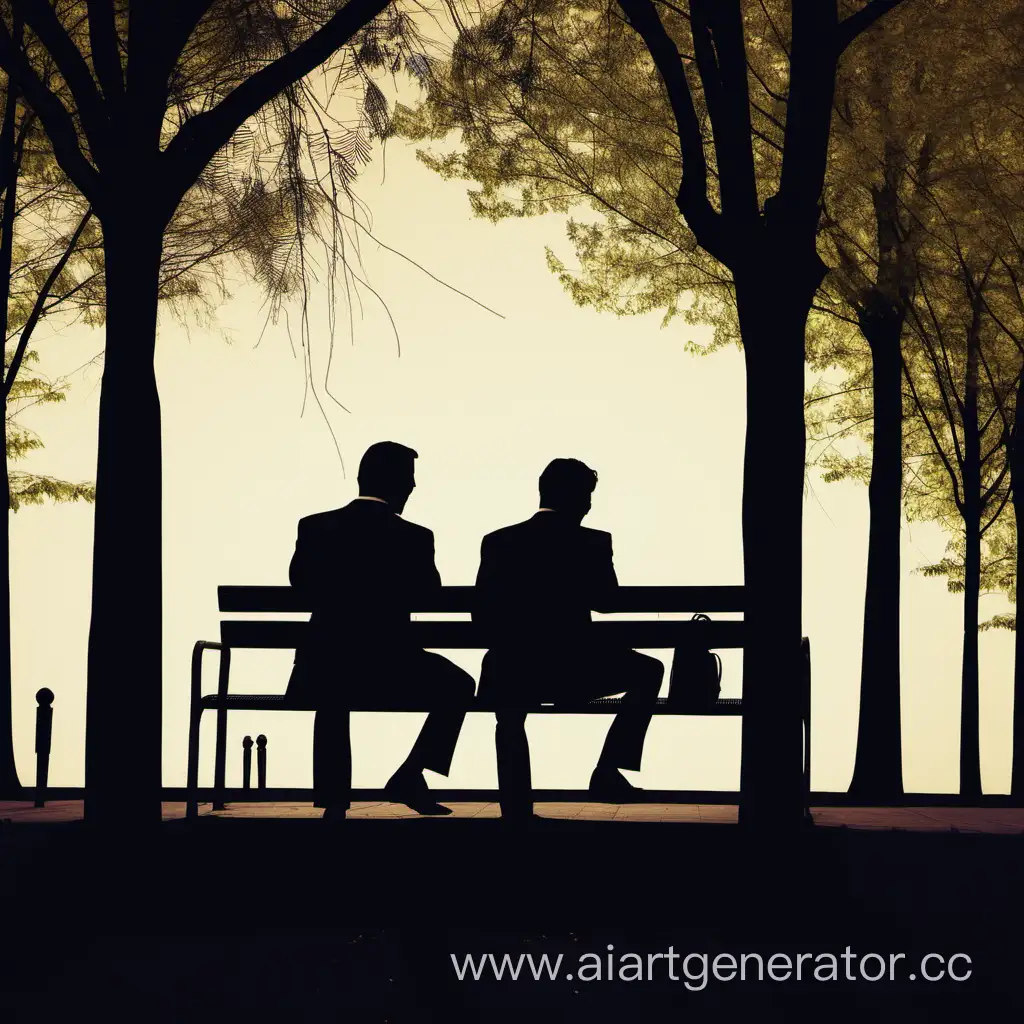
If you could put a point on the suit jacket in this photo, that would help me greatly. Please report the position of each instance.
(362, 570)
(539, 581)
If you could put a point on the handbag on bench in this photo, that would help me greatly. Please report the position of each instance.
(695, 682)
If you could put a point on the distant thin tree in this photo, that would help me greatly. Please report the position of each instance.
(961, 361)
(961, 377)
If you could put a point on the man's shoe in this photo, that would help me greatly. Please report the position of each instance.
(410, 788)
(609, 785)
(518, 818)
(325, 800)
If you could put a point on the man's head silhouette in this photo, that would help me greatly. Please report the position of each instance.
(387, 471)
(566, 486)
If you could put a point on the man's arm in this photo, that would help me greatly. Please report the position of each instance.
(428, 582)
(484, 593)
(485, 572)
(299, 567)
(606, 583)
(419, 583)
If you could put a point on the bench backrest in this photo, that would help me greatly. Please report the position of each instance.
(460, 599)
(453, 635)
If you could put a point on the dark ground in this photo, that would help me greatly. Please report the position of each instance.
(294, 921)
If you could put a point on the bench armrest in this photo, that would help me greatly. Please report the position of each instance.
(197, 669)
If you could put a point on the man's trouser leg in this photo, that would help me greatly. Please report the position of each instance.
(638, 678)
(332, 759)
(515, 785)
(442, 685)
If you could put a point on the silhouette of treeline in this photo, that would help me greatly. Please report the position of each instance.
(581, 108)
(178, 134)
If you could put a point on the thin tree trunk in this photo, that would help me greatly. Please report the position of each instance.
(124, 700)
(10, 784)
(970, 753)
(878, 771)
(773, 317)
(1017, 473)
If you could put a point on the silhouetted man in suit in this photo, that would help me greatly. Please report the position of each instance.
(537, 585)
(363, 570)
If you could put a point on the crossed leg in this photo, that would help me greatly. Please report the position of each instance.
(415, 677)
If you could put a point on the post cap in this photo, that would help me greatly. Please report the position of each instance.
(247, 742)
(261, 740)
(44, 696)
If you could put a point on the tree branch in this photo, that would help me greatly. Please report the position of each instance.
(692, 199)
(42, 19)
(722, 63)
(106, 55)
(990, 493)
(856, 24)
(39, 307)
(184, 16)
(60, 128)
(812, 79)
(936, 444)
(201, 136)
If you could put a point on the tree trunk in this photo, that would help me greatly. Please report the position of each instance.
(878, 771)
(10, 151)
(124, 702)
(10, 785)
(970, 753)
(773, 314)
(1016, 456)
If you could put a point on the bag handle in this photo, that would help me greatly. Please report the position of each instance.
(702, 617)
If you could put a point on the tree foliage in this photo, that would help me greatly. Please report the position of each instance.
(559, 112)
(260, 204)
(957, 230)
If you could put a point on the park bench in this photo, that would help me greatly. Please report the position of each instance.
(283, 634)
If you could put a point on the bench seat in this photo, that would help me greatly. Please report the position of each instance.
(601, 706)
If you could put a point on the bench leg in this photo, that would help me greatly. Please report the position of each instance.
(515, 785)
(192, 780)
(220, 760)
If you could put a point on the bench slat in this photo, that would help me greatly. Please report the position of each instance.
(459, 599)
(603, 706)
(465, 635)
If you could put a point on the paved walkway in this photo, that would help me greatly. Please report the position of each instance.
(1004, 820)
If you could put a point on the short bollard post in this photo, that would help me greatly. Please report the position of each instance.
(44, 733)
(261, 761)
(246, 762)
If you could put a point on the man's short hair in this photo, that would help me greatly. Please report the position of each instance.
(384, 464)
(566, 482)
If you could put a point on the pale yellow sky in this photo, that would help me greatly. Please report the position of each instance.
(487, 403)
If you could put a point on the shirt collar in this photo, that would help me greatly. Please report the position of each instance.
(369, 497)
